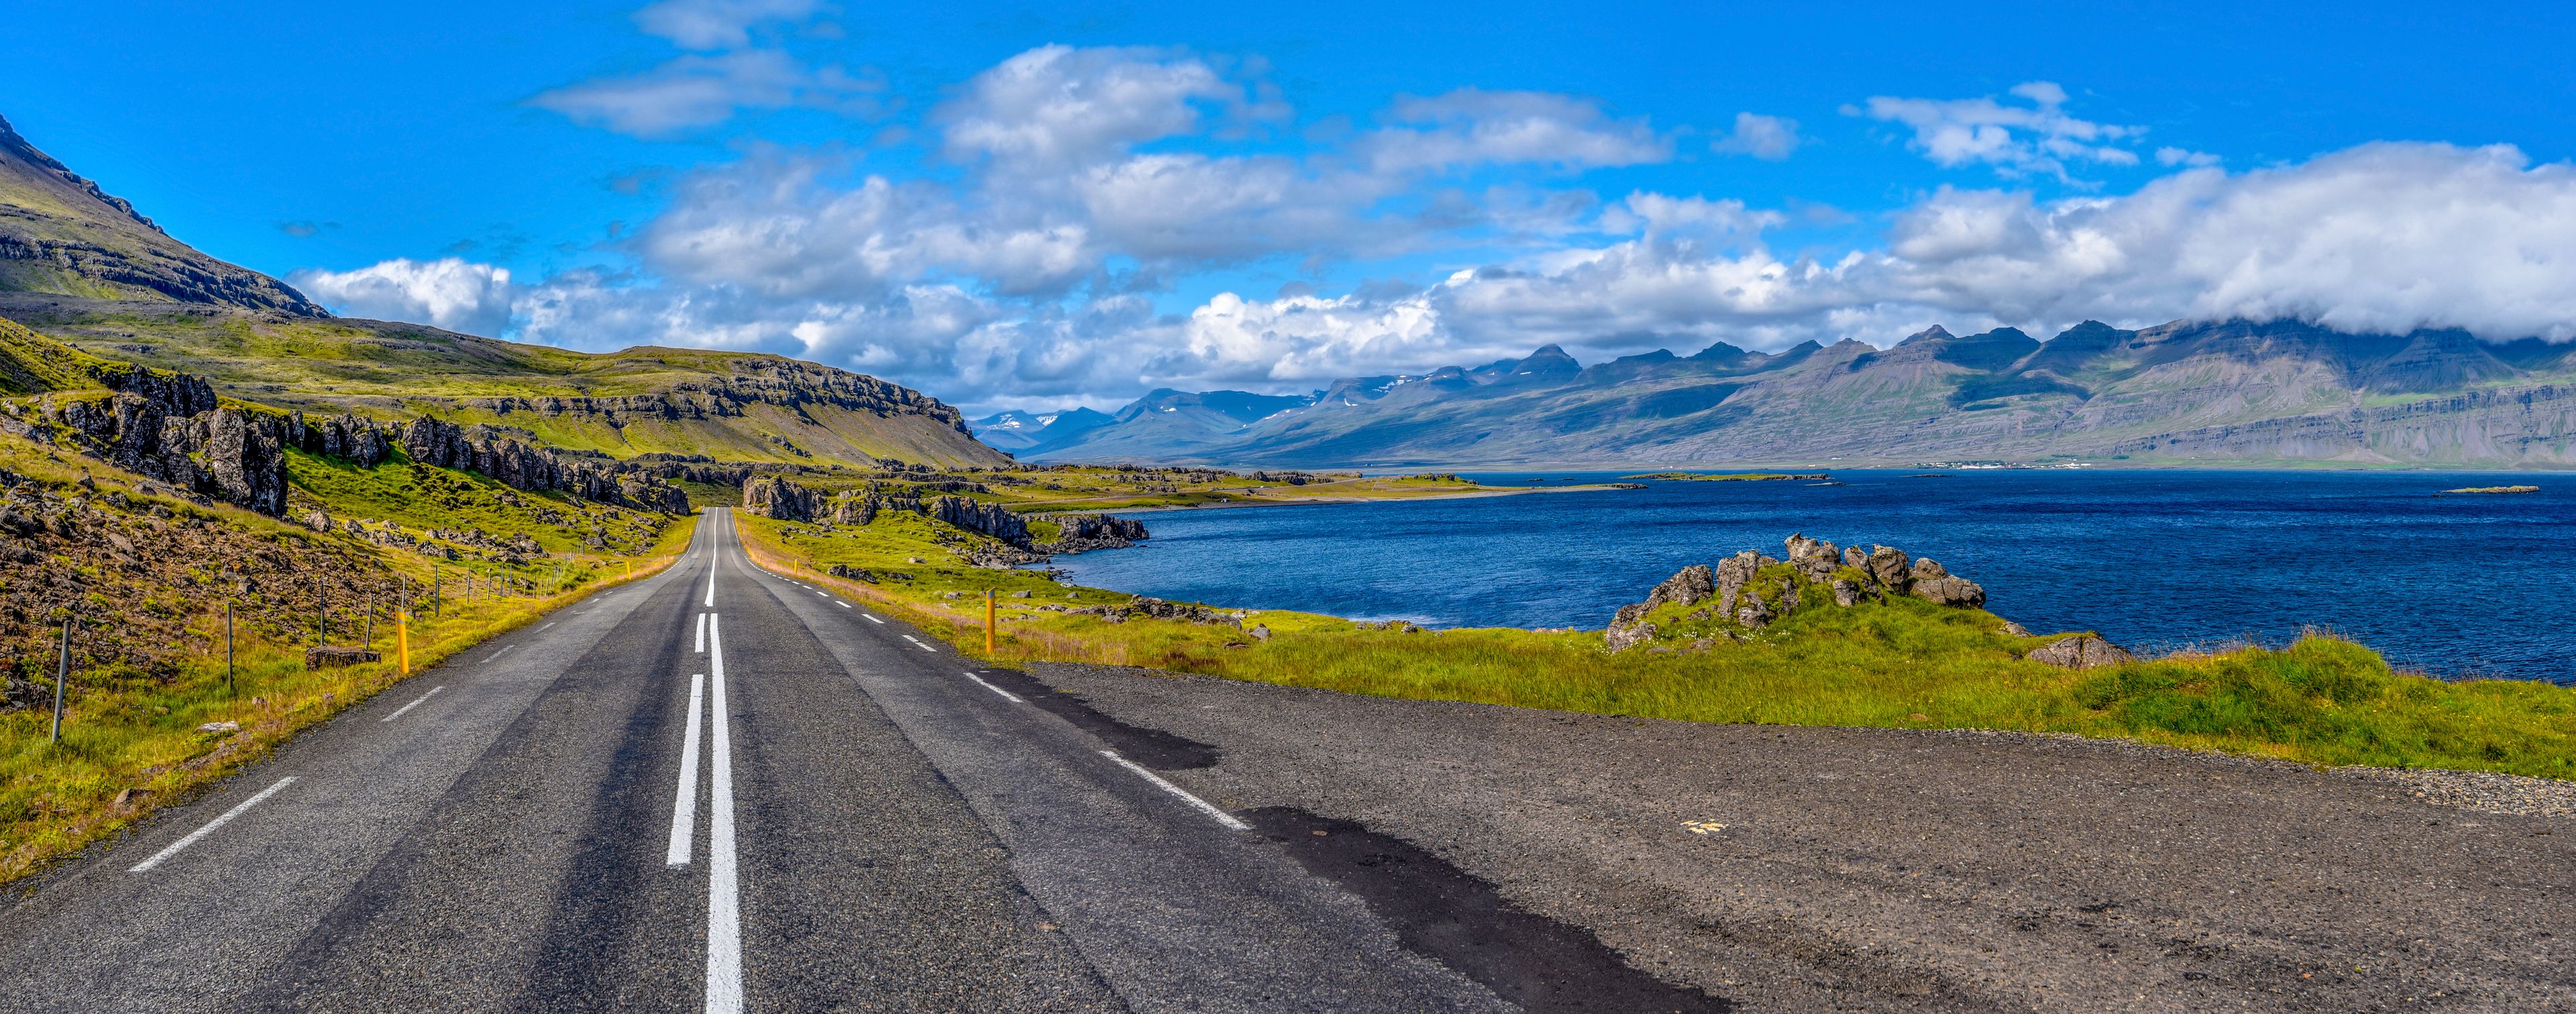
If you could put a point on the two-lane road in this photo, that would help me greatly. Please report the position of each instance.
(718, 789)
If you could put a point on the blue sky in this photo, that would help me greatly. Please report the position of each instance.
(1042, 205)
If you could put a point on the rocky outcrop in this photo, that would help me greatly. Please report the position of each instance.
(1143, 608)
(769, 496)
(168, 427)
(2083, 651)
(783, 383)
(505, 460)
(977, 516)
(1750, 590)
(1082, 533)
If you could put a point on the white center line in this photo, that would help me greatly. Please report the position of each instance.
(702, 631)
(724, 905)
(1006, 695)
(398, 712)
(684, 813)
(1221, 816)
(147, 865)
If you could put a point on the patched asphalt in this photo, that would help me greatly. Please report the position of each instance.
(1789, 868)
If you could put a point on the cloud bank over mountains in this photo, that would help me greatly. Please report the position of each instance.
(1028, 255)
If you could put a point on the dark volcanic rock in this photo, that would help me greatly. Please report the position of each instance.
(978, 516)
(769, 496)
(1081, 533)
(536, 469)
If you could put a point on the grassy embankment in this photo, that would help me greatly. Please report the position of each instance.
(1903, 664)
(149, 575)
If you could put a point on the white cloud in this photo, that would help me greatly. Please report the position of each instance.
(698, 91)
(451, 293)
(1770, 138)
(718, 24)
(2185, 157)
(2037, 137)
(1055, 106)
(1475, 127)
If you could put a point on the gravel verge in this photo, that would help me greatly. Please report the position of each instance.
(1795, 868)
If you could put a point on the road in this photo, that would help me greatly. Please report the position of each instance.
(723, 790)
(719, 790)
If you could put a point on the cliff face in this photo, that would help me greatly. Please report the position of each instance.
(2217, 392)
(59, 233)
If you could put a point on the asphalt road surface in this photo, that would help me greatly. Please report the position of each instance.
(721, 789)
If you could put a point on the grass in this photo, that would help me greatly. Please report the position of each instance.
(393, 371)
(130, 729)
(1905, 663)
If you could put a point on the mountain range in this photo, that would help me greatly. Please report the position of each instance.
(2213, 392)
(82, 267)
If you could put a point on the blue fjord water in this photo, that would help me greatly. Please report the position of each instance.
(2452, 585)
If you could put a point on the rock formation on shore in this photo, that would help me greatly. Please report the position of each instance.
(784, 499)
(1750, 591)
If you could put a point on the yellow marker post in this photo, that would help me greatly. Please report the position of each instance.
(402, 639)
(988, 621)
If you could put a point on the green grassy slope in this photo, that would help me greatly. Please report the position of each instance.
(732, 406)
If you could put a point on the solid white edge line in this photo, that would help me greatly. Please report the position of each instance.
(702, 632)
(1204, 806)
(684, 811)
(174, 847)
(398, 712)
(1006, 695)
(724, 904)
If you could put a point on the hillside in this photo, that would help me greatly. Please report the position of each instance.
(730, 406)
(59, 233)
(2185, 392)
(84, 267)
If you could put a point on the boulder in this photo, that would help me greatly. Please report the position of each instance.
(2015, 629)
(772, 497)
(1887, 566)
(1753, 614)
(1689, 586)
(2082, 651)
(1846, 592)
(1816, 558)
(1619, 638)
(1951, 591)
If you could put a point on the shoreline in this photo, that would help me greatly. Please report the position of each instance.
(1331, 500)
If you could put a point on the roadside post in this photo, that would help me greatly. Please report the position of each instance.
(402, 628)
(988, 621)
(63, 672)
(229, 687)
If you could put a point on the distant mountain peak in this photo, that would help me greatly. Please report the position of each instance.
(1934, 333)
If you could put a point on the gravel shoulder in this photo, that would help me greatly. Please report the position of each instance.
(1791, 868)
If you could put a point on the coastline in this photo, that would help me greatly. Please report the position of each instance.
(1314, 501)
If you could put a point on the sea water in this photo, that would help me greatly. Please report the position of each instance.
(2459, 585)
